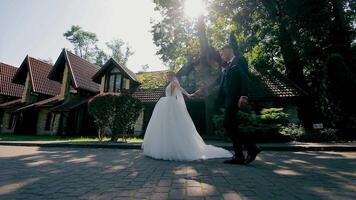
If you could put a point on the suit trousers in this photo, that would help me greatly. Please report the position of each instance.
(231, 126)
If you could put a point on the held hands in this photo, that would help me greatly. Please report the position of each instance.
(194, 94)
(243, 101)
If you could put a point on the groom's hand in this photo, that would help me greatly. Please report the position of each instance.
(242, 101)
(195, 93)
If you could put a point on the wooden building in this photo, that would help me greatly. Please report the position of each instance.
(29, 119)
(77, 87)
(116, 78)
(10, 94)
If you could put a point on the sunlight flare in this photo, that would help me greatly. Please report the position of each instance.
(194, 8)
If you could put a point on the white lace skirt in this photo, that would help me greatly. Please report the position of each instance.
(171, 135)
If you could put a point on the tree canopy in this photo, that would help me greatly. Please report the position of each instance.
(85, 46)
(295, 37)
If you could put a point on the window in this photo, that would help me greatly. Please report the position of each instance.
(126, 84)
(117, 82)
(48, 121)
(11, 121)
(113, 82)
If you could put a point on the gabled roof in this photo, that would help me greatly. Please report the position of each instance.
(11, 104)
(7, 88)
(80, 69)
(271, 84)
(109, 65)
(38, 72)
(71, 104)
(50, 102)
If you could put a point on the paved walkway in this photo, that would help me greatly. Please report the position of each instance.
(290, 146)
(85, 173)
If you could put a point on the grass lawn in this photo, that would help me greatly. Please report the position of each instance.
(7, 137)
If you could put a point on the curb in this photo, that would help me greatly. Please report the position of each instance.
(268, 147)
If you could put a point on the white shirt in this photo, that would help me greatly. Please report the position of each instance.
(230, 61)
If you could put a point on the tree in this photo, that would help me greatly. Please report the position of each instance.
(85, 46)
(84, 42)
(145, 67)
(120, 50)
(101, 57)
(294, 37)
(152, 80)
(115, 111)
(48, 60)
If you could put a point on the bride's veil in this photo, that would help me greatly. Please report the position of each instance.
(179, 94)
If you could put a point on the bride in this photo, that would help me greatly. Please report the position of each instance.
(171, 133)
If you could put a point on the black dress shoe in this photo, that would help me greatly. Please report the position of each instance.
(252, 156)
(235, 161)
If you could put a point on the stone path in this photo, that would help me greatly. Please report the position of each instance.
(78, 173)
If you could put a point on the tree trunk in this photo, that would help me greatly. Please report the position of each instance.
(341, 35)
(294, 68)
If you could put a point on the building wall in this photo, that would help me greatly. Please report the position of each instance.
(2, 99)
(41, 123)
(4, 124)
(292, 110)
(138, 131)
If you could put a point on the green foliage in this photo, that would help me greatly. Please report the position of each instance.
(297, 133)
(338, 75)
(84, 42)
(118, 112)
(102, 109)
(293, 131)
(120, 50)
(293, 37)
(274, 115)
(85, 46)
(152, 80)
(262, 128)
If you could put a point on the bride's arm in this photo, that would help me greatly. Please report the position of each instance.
(176, 85)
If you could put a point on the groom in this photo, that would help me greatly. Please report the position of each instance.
(233, 94)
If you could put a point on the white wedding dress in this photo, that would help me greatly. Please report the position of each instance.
(171, 133)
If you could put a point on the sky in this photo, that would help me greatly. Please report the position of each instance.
(36, 27)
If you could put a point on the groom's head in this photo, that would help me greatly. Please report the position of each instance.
(226, 53)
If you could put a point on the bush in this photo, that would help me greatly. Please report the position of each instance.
(297, 133)
(262, 128)
(274, 115)
(115, 111)
(293, 131)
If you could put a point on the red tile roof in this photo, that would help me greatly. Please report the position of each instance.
(149, 95)
(7, 88)
(81, 71)
(270, 84)
(41, 83)
(38, 71)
